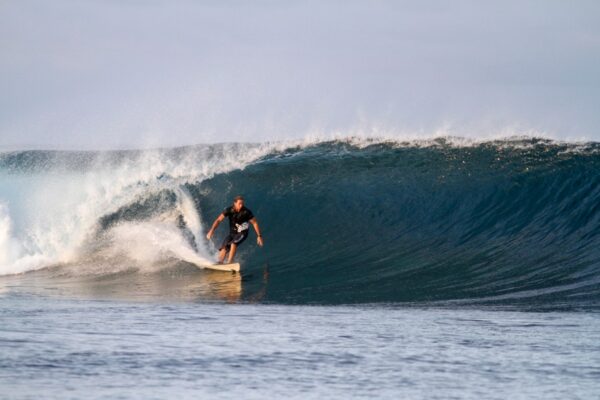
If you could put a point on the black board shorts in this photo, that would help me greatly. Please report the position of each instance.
(235, 238)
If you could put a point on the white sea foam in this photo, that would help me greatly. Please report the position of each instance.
(6, 245)
(64, 208)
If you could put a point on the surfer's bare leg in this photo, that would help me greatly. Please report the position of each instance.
(232, 253)
(222, 254)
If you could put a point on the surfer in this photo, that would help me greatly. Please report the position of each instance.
(239, 217)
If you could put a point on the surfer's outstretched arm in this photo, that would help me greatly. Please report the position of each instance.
(220, 218)
(259, 238)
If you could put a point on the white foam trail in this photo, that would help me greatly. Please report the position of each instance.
(190, 214)
(147, 244)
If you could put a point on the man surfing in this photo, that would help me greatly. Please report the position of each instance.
(239, 217)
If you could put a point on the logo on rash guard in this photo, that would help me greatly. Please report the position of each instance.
(241, 227)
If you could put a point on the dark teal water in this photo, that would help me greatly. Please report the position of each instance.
(393, 224)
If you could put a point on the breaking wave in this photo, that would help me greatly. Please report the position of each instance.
(344, 221)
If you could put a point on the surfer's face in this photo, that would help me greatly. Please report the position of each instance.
(238, 204)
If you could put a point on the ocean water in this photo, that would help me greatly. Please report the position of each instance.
(65, 349)
(444, 268)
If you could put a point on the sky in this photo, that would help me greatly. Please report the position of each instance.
(132, 73)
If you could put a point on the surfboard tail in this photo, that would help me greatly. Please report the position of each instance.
(233, 267)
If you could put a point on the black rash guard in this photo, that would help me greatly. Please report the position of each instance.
(238, 221)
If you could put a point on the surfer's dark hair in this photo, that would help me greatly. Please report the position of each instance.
(236, 198)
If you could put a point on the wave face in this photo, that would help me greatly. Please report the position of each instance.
(344, 222)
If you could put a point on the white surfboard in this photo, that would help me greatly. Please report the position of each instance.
(234, 267)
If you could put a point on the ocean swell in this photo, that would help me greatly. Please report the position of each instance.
(344, 221)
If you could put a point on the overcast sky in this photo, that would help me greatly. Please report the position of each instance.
(122, 74)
